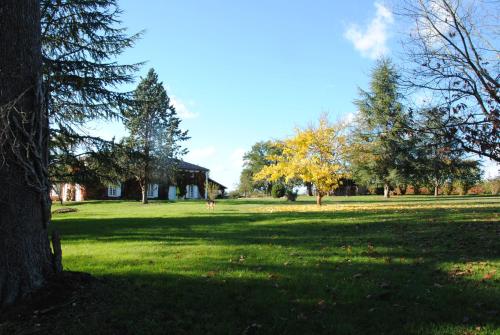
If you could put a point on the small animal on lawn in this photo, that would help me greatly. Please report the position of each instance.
(210, 204)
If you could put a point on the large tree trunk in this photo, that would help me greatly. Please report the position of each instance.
(386, 191)
(436, 190)
(26, 261)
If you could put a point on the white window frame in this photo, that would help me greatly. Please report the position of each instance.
(152, 191)
(190, 191)
(114, 191)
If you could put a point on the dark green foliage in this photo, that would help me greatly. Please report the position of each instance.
(278, 190)
(291, 195)
(439, 156)
(467, 174)
(382, 151)
(151, 150)
(255, 160)
(81, 40)
(246, 185)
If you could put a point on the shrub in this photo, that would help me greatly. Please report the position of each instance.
(234, 195)
(278, 190)
(291, 195)
(212, 190)
(492, 186)
(448, 188)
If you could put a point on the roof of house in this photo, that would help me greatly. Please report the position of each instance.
(191, 167)
(216, 183)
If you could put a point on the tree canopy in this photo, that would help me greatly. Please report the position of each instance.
(379, 154)
(315, 154)
(253, 161)
(81, 40)
(155, 135)
(452, 53)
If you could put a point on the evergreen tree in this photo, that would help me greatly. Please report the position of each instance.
(380, 141)
(81, 40)
(438, 152)
(467, 174)
(440, 156)
(155, 134)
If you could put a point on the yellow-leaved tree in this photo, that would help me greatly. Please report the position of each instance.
(314, 155)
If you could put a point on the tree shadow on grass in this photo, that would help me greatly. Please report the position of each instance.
(368, 272)
(437, 231)
(346, 298)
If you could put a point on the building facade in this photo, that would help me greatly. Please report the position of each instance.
(189, 183)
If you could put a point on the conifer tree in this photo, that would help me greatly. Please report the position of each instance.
(81, 40)
(155, 134)
(379, 154)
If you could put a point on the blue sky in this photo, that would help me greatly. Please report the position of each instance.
(240, 72)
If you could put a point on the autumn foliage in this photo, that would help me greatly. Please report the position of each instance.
(315, 155)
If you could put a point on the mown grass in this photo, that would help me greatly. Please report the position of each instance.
(359, 265)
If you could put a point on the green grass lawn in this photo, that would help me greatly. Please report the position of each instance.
(358, 265)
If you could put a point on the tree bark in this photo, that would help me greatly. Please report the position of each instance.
(416, 189)
(319, 197)
(144, 196)
(386, 191)
(309, 187)
(402, 189)
(26, 261)
(436, 190)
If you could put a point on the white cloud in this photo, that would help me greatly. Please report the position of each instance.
(349, 118)
(200, 154)
(432, 23)
(182, 109)
(371, 41)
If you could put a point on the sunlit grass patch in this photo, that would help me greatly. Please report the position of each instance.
(379, 206)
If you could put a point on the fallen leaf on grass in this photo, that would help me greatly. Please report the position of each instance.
(489, 275)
